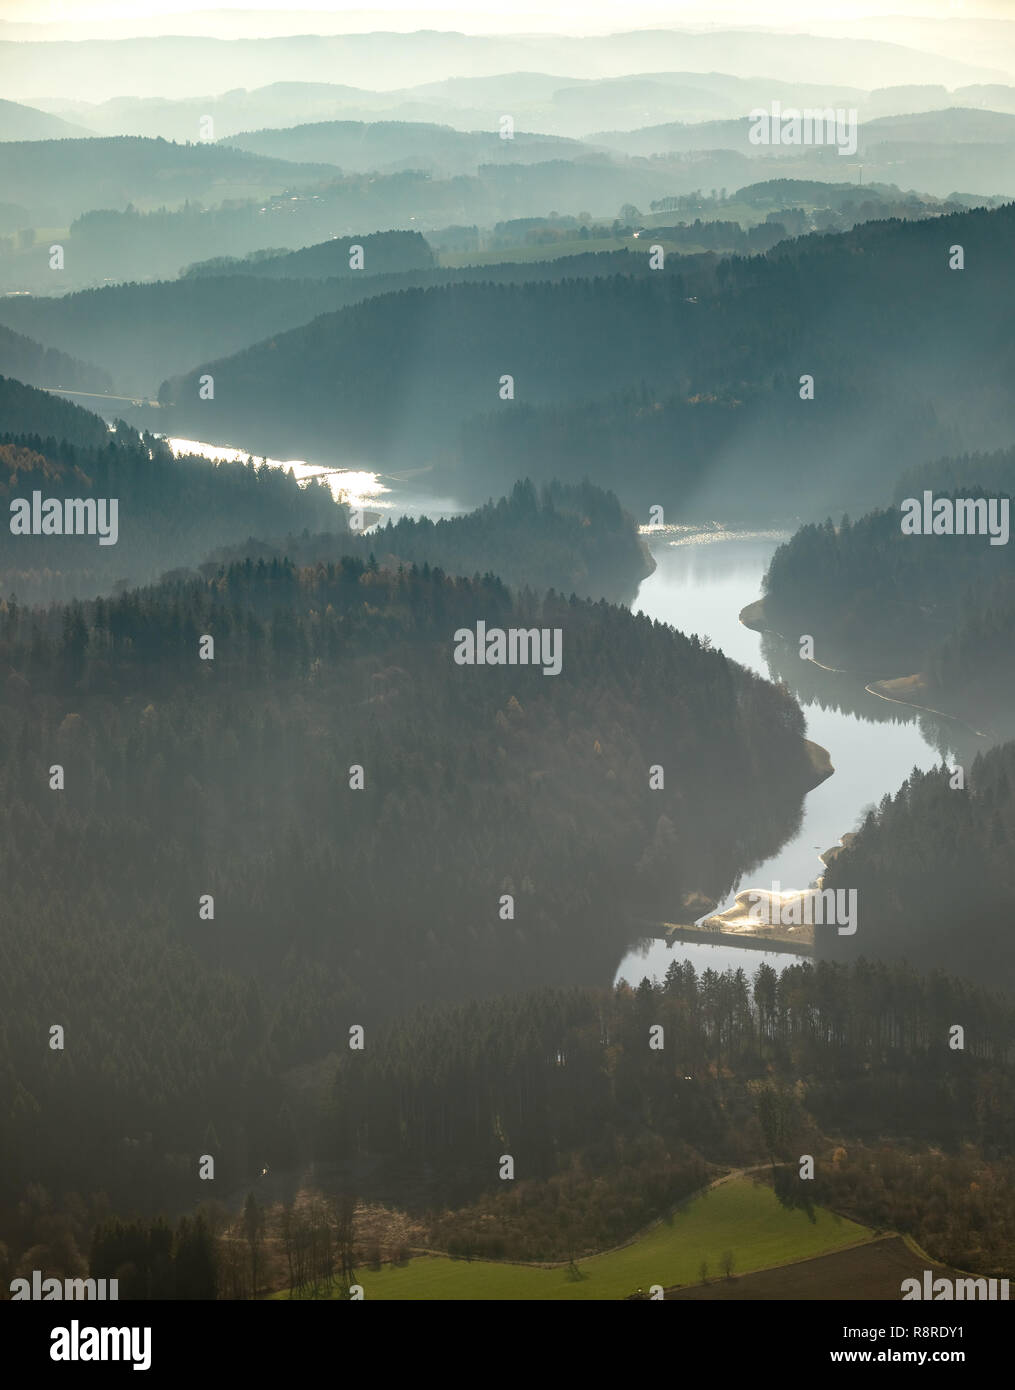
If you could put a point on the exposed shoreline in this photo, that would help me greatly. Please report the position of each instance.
(753, 617)
(915, 683)
(821, 763)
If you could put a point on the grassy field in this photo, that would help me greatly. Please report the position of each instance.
(740, 1216)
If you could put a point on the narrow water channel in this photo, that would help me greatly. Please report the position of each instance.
(701, 583)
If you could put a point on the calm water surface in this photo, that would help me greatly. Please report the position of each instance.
(700, 585)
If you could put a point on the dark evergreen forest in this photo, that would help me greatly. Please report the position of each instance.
(289, 887)
(752, 1071)
(720, 367)
(607, 1132)
(575, 539)
(887, 604)
(932, 868)
(333, 906)
(217, 308)
(29, 362)
(176, 512)
(171, 510)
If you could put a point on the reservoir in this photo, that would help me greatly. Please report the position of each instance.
(703, 578)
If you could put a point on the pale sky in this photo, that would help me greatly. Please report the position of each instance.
(571, 16)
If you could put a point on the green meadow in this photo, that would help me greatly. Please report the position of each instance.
(741, 1216)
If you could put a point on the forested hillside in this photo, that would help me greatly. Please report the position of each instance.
(235, 777)
(875, 598)
(170, 511)
(726, 452)
(932, 868)
(206, 315)
(993, 474)
(383, 253)
(607, 1133)
(18, 122)
(178, 512)
(57, 180)
(739, 362)
(151, 238)
(384, 146)
(751, 1071)
(36, 365)
(25, 410)
(575, 539)
(890, 604)
(363, 772)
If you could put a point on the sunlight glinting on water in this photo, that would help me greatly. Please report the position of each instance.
(357, 487)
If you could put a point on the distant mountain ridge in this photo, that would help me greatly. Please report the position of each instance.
(389, 146)
(383, 253)
(59, 179)
(36, 365)
(189, 67)
(557, 105)
(18, 122)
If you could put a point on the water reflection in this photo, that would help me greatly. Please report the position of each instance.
(653, 959)
(846, 693)
(700, 585)
(390, 494)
